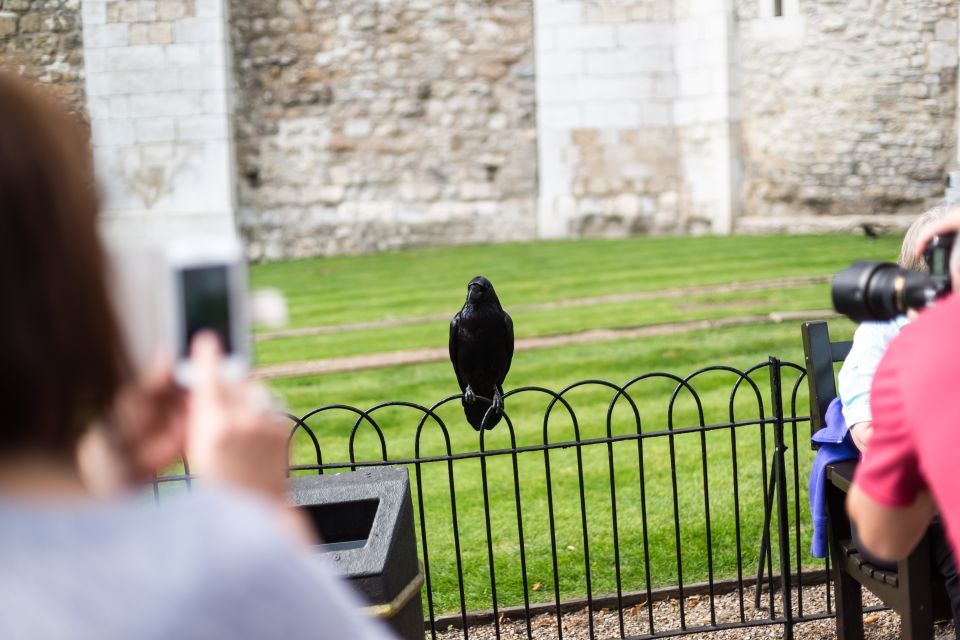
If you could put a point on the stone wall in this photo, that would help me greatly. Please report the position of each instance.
(608, 161)
(849, 107)
(42, 40)
(373, 125)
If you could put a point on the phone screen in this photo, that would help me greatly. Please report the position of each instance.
(206, 304)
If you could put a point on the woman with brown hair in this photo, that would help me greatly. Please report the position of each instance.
(228, 560)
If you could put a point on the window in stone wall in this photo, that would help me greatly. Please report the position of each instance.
(778, 8)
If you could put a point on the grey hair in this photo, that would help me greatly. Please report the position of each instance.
(908, 258)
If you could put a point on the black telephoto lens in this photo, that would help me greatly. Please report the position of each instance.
(868, 290)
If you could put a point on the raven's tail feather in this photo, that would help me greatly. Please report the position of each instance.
(475, 413)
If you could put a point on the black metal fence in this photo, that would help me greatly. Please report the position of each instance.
(663, 506)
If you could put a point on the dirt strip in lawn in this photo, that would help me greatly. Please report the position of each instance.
(680, 292)
(422, 356)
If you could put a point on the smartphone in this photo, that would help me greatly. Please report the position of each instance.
(209, 290)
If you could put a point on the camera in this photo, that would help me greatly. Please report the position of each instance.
(874, 290)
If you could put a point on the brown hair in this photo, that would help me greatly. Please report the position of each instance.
(61, 356)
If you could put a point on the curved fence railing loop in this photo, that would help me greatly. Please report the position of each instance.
(555, 398)
(795, 423)
(300, 424)
(455, 520)
(486, 503)
(614, 524)
(366, 416)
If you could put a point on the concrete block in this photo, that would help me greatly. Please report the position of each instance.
(612, 115)
(590, 36)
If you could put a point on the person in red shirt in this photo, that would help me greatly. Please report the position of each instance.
(910, 469)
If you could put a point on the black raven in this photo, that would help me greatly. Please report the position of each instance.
(481, 349)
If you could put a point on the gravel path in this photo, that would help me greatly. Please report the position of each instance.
(881, 625)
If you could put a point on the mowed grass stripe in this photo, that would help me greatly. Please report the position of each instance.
(429, 281)
(548, 322)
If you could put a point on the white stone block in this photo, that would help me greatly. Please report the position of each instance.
(196, 30)
(941, 55)
(714, 109)
(714, 51)
(588, 36)
(638, 35)
(656, 114)
(99, 84)
(102, 36)
(98, 107)
(631, 87)
(694, 82)
(203, 79)
(612, 115)
(165, 104)
(93, 12)
(119, 106)
(215, 54)
(946, 30)
(687, 56)
(183, 55)
(146, 82)
(214, 102)
(544, 40)
(688, 31)
(563, 89)
(685, 112)
(556, 63)
(112, 133)
(138, 58)
(552, 13)
(155, 130)
(624, 62)
(559, 116)
(203, 127)
(95, 61)
(210, 8)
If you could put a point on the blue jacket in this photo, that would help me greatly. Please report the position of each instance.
(836, 445)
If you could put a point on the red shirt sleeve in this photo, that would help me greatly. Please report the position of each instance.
(889, 471)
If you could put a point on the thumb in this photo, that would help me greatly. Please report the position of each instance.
(205, 354)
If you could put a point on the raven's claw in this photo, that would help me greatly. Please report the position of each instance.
(497, 402)
(469, 396)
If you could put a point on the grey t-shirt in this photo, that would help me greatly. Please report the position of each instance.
(206, 565)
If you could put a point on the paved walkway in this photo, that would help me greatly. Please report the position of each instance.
(679, 292)
(422, 356)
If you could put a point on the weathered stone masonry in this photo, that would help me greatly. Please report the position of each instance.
(372, 125)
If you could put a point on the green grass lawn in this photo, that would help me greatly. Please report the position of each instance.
(423, 282)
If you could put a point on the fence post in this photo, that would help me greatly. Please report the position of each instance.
(783, 515)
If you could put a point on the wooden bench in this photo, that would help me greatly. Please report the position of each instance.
(910, 590)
